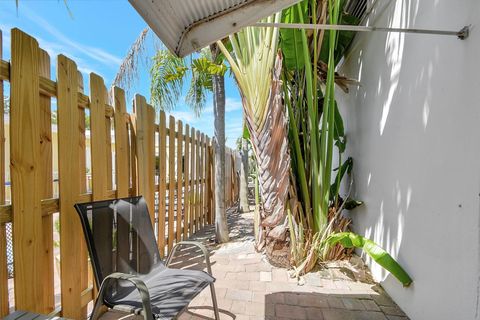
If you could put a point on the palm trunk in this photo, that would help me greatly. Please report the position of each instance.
(273, 159)
(221, 227)
(243, 204)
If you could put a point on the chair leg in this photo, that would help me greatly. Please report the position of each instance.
(214, 301)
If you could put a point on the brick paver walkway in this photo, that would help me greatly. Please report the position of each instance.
(248, 287)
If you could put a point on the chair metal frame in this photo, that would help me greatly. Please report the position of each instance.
(140, 285)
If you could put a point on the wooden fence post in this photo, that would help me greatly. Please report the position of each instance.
(145, 136)
(46, 178)
(162, 154)
(71, 237)
(3, 232)
(186, 183)
(171, 182)
(179, 180)
(25, 169)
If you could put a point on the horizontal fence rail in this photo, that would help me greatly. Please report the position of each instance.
(87, 148)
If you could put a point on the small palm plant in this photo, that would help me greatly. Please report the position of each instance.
(206, 71)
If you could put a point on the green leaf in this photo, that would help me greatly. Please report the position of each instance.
(291, 39)
(379, 255)
(345, 167)
(246, 132)
(205, 65)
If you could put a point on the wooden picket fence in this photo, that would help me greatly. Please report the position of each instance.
(168, 163)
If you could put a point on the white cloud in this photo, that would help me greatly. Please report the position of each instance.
(69, 47)
(232, 104)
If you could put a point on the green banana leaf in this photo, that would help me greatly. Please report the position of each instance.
(291, 39)
(350, 240)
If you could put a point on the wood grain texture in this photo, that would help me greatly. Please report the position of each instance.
(3, 234)
(85, 266)
(25, 170)
(46, 179)
(179, 180)
(171, 181)
(71, 236)
(186, 183)
(122, 171)
(145, 146)
(162, 157)
(98, 139)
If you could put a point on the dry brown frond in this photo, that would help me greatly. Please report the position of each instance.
(128, 72)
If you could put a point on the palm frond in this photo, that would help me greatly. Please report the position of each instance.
(128, 72)
(167, 75)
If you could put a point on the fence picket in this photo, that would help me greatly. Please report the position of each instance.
(162, 157)
(186, 183)
(198, 175)
(145, 142)
(3, 229)
(122, 178)
(85, 267)
(25, 172)
(202, 180)
(71, 237)
(171, 182)
(179, 180)
(46, 179)
(192, 181)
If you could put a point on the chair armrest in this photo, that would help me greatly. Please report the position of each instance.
(191, 244)
(139, 284)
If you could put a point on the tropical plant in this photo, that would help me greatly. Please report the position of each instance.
(206, 72)
(318, 230)
(257, 68)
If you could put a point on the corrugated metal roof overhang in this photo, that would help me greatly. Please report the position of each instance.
(185, 26)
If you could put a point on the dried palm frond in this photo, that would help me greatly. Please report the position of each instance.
(128, 71)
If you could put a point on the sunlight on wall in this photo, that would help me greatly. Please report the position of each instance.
(394, 47)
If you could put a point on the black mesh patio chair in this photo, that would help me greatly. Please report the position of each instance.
(127, 264)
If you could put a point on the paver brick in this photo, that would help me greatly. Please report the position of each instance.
(353, 304)
(265, 276)
(394, 311)
(289, 311)
(243, 295)
(370, 305)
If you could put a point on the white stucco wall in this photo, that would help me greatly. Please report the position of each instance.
(414, 133)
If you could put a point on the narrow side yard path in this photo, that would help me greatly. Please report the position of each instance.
(248, 287)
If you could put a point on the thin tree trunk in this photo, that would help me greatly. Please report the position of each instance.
(221, 227)
(243, 204)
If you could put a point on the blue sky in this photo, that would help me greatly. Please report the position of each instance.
(97, 38)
